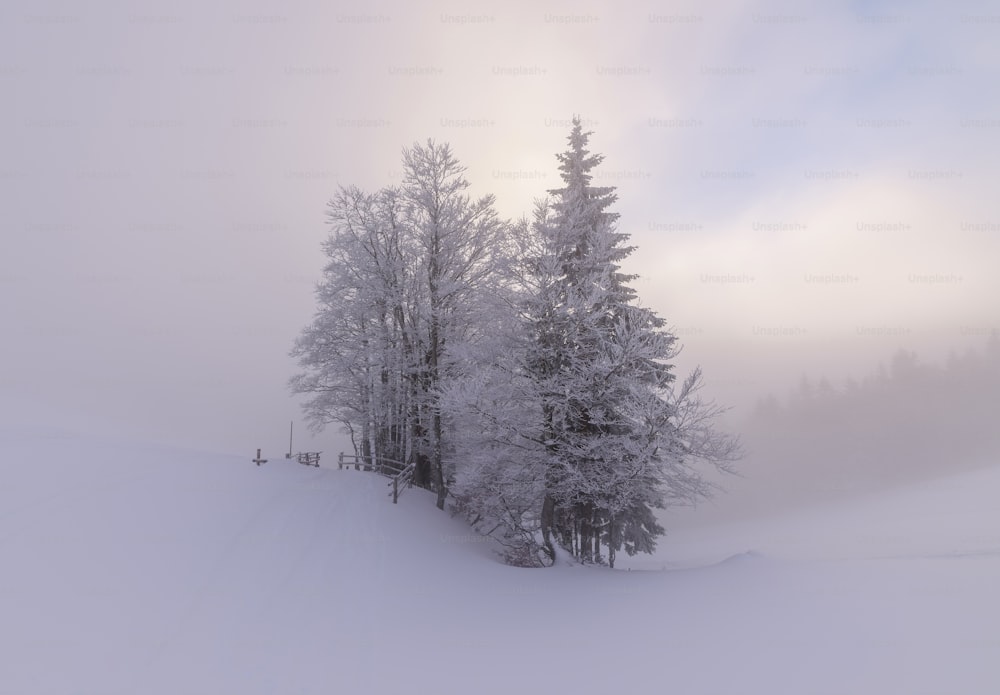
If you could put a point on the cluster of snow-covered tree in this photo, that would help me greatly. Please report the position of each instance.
(508, 361)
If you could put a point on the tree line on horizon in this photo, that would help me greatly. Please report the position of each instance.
(908, 419)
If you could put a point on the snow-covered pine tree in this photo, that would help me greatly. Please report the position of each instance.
(613, 423)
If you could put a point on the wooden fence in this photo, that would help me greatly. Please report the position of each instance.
(400, 474)
(309, 458)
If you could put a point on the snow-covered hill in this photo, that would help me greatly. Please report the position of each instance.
(131, 568)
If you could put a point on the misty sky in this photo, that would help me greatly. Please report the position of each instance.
(810, 186)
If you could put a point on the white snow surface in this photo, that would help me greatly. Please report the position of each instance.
(130, 568)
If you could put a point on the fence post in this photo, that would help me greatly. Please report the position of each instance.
(340, 461)
(395, 489)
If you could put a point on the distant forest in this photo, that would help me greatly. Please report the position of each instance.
(907, 421)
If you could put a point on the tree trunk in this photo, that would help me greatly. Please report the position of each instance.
(422, 471)
(585, 535)
(547, 522)
(595, 537)
(434, 364)
(438, 464)
(576, 538)
(366, 442)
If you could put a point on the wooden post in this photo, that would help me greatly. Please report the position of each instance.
(290, 425)
(259, 460)
(395, 489)
(340, 461)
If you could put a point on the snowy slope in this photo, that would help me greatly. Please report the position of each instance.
(130, 568)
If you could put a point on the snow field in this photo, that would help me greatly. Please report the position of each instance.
(132, 568)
